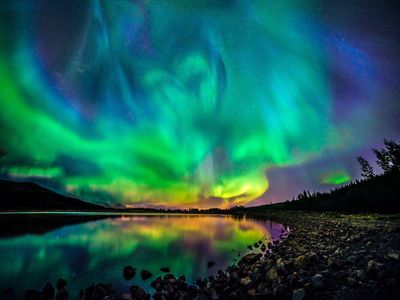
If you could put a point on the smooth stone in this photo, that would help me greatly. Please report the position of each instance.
(210, 264)
(102, 290)
(245, 281)
(303, 261)
(318, 280)
(271, 275)
(352, 259)
(279, 265)
(373, 267)
(145, 274)
(61, 283)
(62, 294)
(165, 269)
(393, 255)
(299, 294)
(129, 272)
(250, 258)
(362, 275)
(48, 292)
(138, 293)
(298, 262)
(351, 282)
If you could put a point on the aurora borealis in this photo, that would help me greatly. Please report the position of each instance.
(203, 103)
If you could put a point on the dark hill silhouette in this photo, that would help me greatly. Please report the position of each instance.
(26, 196)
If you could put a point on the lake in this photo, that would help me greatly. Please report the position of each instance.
(96, 250)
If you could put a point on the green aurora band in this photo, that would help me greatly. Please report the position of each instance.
(336, 178)
(162, 104)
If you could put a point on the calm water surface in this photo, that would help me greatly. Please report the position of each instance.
(97, 251)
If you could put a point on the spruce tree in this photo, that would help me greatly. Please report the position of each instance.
(367, 172)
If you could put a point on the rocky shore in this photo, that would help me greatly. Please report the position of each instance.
(325, 256)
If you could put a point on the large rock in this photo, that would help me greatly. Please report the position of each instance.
(158, 284)
(138, 293)
(61, 283)
(89, 292)
(129, 272)
(62, 294)
(101, 291)
(48, 292)
(170, 278)
(145, 274)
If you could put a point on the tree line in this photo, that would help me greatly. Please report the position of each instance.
(387, 158)
(375, 192)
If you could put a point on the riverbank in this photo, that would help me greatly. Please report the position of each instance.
(325, 256)
(330, 256)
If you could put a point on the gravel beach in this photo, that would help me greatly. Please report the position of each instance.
(324, 256)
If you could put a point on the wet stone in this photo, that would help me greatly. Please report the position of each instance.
(32, 295)
(48, 292)
(210, 264)
(61, 283)
(165, 269)
(318, 281)
(145, 274)
(138, 293)
(62, 294)
(299, 294)
(129, 272)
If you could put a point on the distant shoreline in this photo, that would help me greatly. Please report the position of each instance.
(106, 213)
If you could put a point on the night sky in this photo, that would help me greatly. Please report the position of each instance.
(208, 103)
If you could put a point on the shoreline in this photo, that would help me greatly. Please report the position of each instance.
(325, 256)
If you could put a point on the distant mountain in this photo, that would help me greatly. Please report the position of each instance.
(27, 196)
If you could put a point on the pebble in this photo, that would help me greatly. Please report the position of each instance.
(299, 294)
